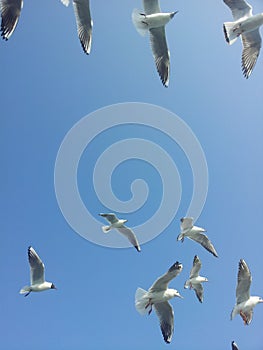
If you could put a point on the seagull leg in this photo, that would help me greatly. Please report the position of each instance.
(149, 304)
(27, 294)
(244, 317)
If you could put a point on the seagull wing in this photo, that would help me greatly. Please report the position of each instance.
(128, 233)
(162, 282)
(37, 268)
(111, 218)
(165, 314)
(196, 267)
(243, 282)
(10, 13)
(251, 48)
(199, 291)
(84, 23)
(203, 240)
(234, 346)
(186, 223)
(160, 53)
(239, 8)
(151, 6)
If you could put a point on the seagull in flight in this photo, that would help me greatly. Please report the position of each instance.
(153, 21)
(157, 297)
(234, 346)
(247, 26)
(10, 13)
(84, 22)
(119, 225)
(244, 302)
(196, 234)
(37, 275)
(195, 280)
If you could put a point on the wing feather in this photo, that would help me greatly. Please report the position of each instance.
(37, 268)
(165, 314)
(162, 282)
(244, 280)
(84, 23)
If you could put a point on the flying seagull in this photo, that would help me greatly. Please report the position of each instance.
(246, 25)
(196, 234)
(154, 21)
(195, 280)
(84, 22)
(10, 13)
(234, 346)
(37, 275)
(157, 297)
(244, 302)
(119, 225)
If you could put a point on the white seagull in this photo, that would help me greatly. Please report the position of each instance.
(195, 280)
(154, 21)
(119, 225)
(196, 234)
(37, 275)
(246, 25)
(84, 22)
(157, 296)
(234, 346)
(244, 302)
(10, 13)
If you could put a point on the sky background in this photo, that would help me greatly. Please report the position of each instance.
(47, 85)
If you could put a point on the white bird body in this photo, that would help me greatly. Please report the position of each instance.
(244, 302)
(157, 297)
(195, 280)
(156, 20)
(39, 287)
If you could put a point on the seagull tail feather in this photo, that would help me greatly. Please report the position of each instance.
(141, 301)
(139, 24)
(106, 229)
(25, 290)
(231, 32)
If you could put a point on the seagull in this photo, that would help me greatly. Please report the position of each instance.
(157, 296)
(119, 225)
(84, 22)
(196, 234)
(37, 275)
(195, 280)
(246, 25)
(154, 21)
(234, 346)
(244, 302)
(10, 13)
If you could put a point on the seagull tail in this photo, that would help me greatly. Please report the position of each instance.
(25, 290)
(231, 32)
(141, 301)
(106, 229)
(139, 24)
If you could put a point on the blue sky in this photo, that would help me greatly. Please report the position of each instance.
(47, 86)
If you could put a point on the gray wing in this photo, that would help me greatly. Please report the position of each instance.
(37, 268)
(239, 8)
(243, 282)
(251, 48)
(151, 6)
(203, 240)
(160, 53)
(234, 346)
(112, 218)
(165, 314)
(128, 233)
(84, 23)
(162, 282)
(196, 267)
(10, 13)
(186, 223)
(199, 291)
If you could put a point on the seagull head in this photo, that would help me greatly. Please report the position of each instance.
(260, 300)
(177, 294)
(53, 286)
(172, 14)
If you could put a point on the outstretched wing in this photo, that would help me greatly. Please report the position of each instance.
(251, 48)
(234, 346)
(151, 6)
(196, 267)
(162, 282)
(239, 8)
(186, 223)
(165, 314)
(199, 291)
(84, 23)
(10, 13)
(37, 268)
(203, 240)
(128, 233)
(111, 218)
(243, 282)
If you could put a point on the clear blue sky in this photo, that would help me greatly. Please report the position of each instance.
(47, 85)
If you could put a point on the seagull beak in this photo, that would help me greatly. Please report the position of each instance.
(261, 300)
